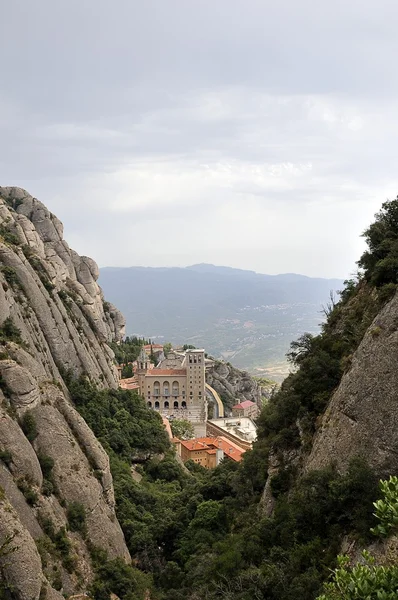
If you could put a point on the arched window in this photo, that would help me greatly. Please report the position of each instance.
(157, 405)
(183, 404)
(149, 404)
(166, 389)
(176, 388)
(156, 388)
(175, 405)
(166, 404)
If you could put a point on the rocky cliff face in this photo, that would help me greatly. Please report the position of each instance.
(232, 385)
(362, 417)
(52, 317)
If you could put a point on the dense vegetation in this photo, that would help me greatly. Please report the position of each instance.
(367, 580)
(198, 534)
(128, 351)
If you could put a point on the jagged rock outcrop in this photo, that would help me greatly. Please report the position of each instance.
(52, 318)
(231, 384)
(362, 417)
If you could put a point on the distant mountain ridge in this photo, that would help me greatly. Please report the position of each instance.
(242, 316)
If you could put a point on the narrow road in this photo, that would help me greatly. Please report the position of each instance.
(211, 392)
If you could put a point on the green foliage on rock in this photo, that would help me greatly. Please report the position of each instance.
(364, 581)
(387, 507)
(368, 580)
(116, 577)
(29, 427)
(120, 419)
(76, 515)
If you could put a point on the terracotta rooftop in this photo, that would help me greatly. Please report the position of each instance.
(129, 384)
(165, 372)
(245, 404)
(209, 444)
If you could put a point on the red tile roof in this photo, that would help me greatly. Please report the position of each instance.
(245, 404)
(210, 445)
(166, 372)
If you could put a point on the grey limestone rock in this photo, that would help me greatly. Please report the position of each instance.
(362, 417)
(232, 384)
(21, 385)
(21, 568)
(58, 319)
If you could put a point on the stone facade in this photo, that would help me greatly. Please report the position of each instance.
(177, 391)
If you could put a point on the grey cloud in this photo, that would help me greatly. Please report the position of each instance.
(170, 120)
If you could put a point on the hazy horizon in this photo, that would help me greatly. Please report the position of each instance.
(216, 266)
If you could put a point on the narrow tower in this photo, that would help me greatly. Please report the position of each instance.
(196, 403)
(142, 368)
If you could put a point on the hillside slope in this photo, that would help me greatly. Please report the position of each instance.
(240, 316)
(52, 468)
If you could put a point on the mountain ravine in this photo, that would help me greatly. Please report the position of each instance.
(52, 317)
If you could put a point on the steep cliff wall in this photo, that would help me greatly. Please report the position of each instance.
(362, 417)
(52, 318)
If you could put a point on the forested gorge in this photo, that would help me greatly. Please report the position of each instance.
(197, 534)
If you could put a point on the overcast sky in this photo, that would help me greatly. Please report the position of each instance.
(250, 133)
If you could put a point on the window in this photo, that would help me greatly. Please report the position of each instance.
(183, 404)
(157, 405)
(149, 404)
(175, 405)
(166, 405)
(166, 389)
(176, 388)
(156, 388)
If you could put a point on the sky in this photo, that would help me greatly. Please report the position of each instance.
(249, 133)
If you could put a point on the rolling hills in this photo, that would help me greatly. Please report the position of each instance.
(242, 316)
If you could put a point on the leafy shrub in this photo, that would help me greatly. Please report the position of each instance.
(387, 507)
(48, 487)
(46, 464)
(9, 332)
(362, 582)
(29, 427)
(29, 493)
(8, 236)
(11, 276)
(76, 515)
(6, 457)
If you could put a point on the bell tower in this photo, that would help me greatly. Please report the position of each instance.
(142, 368)
(196, 382)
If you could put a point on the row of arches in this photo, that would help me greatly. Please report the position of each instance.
(166, 405)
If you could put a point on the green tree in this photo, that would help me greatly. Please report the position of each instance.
(182, 429)
(167, 348)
